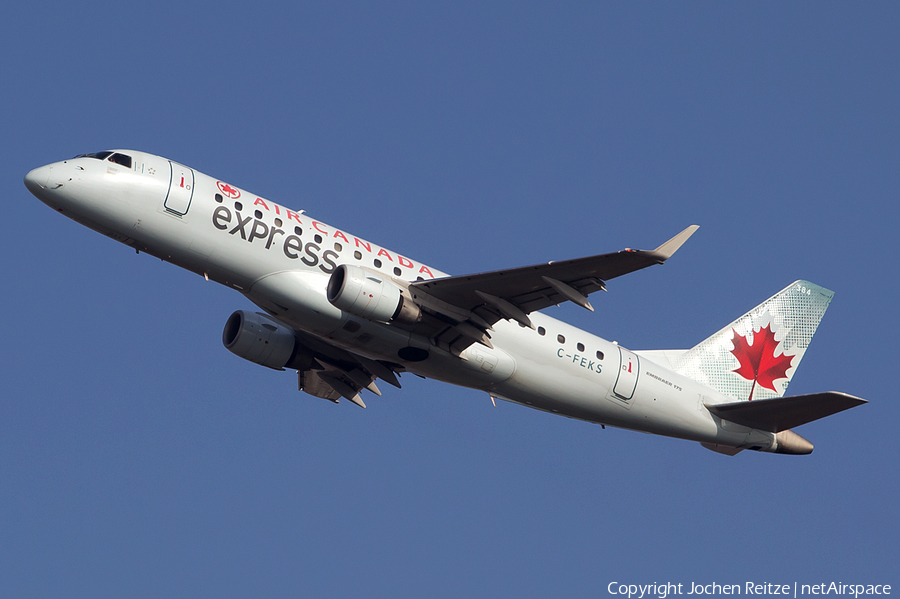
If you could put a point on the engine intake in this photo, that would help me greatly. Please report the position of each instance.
(370, 295)
(262, 340)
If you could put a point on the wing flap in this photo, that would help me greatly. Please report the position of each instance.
(784, 413)
(459, 311)
(536, 287)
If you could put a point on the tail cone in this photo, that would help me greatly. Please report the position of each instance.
(792, 443)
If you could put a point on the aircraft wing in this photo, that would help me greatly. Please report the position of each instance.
(333, 373)
(479, 300)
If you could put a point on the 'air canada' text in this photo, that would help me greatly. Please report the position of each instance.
(310, 253)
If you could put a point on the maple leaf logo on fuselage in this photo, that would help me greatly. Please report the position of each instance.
(758, 362)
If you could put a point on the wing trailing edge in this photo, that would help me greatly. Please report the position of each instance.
(461, 310)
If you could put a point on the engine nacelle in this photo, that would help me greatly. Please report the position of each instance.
(370, 295)
(262, 340)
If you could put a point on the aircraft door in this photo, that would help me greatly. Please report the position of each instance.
(626, 380)
(181, 189)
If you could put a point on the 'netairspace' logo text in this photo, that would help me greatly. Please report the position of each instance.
(663, 590)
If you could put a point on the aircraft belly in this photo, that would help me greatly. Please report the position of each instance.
(658, 406)
(478, 367)
(298, 297)
(545, 387)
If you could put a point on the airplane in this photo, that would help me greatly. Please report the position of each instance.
(344, 312)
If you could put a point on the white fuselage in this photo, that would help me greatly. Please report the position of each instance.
(281, 258)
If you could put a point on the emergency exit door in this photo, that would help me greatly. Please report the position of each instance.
(181, 189)
(628, 374)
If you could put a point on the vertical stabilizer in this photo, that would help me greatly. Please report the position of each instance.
(756, 356)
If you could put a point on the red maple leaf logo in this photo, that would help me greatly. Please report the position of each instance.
(758, 361)
(228, 190)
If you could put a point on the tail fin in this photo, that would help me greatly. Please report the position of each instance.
(756, 356)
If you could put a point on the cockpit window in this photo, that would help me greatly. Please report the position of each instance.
(97, 155)
(122, 159)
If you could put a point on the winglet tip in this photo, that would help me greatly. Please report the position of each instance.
(666, 250)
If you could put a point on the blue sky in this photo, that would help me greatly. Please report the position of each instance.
(139, 458)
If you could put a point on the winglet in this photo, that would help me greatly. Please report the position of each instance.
(666, 250)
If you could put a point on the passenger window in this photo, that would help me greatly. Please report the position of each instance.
(258, 214)
(318, 239)
(298, 231)
(377, 263)
(542, 331)
(278, 222)
(238, 206)
(580, 346)
(338, 247)
(122, 159)
(397, 271)
(599, 355)
(219, 198)
(560, 338)
(357, 254)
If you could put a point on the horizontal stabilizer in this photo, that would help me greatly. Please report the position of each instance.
(783, 413)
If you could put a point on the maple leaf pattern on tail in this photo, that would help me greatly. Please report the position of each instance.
(758, 362)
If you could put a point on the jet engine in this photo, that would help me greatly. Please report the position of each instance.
(370, 295)
(263, 340)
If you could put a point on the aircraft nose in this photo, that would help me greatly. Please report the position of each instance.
(36, 180)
